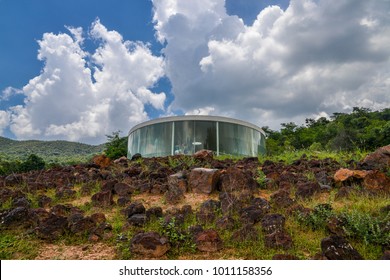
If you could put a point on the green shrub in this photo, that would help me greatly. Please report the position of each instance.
(116, 146)
(180, 240)
(317, 218)
(365, 227)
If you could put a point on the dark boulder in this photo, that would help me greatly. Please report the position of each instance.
(204, 155)
(174, 194)
(123, 201)
(338, 248)
(149, 244)
(52, 228)
(281, 199)
(246, 233)
(261, 203)
(273, 223)
(278, 239)
(137, 220)
(134, 208)
(44, 201)
(251, 214)
(307, 190)
(98, 218)
(15, 217)
(123, 189)
(179, 180)
(65, 193)
(154, 212)
(203, 180)
(102, 199)
(208, 241)
(225, 223)
(109, 185)
(235, 180)
(83, 226)
(21, 202)
(378, 160)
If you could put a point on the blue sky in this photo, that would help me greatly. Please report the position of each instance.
(78, 70)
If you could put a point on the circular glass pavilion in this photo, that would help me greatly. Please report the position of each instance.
(189, 134)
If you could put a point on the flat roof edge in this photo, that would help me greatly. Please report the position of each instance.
(195, 118)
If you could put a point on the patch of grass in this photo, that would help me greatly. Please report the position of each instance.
(14, 245)
(310, 176)
(117, 221)
(289, 156)
(306, 241)
(368, 251)
(261, 178)
(6, 204)
(231, 157)
(361, 202)
(33, 198)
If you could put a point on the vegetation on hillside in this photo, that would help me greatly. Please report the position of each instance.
(362, 129)
(50, 151)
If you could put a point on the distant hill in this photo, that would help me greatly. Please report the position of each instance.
(57, 151)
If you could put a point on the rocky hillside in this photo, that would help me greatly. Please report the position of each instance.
(198, 207)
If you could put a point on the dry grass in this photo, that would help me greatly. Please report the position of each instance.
(95, 251)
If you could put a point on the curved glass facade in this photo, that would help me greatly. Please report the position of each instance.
(189, 134)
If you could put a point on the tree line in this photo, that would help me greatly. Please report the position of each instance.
(362, 129)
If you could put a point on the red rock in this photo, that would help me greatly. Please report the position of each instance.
(343, 174)
(149, 244)
(203, 180)
(102, 199)
(204, 154)
(102, 161)
(235, 179)
(279, 239)
(380, 159)
(179, 180)
(208, 241)
(377, 181)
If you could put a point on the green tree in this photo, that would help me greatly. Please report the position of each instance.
(116, 146)
(33, 162)
(360, 129)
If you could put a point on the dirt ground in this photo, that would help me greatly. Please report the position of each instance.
(96, 251)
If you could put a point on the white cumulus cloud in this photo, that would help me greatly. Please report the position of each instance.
(4, 120)
(314, 58)
(82, 96)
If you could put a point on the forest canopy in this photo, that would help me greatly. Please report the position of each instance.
(361, 129)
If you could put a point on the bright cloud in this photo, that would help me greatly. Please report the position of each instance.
(4, 120)
(314, 58)
(81, 96)
(10, 92)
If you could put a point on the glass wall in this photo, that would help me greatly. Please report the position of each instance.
(235, 139)
(151, 141)
(190, 136)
